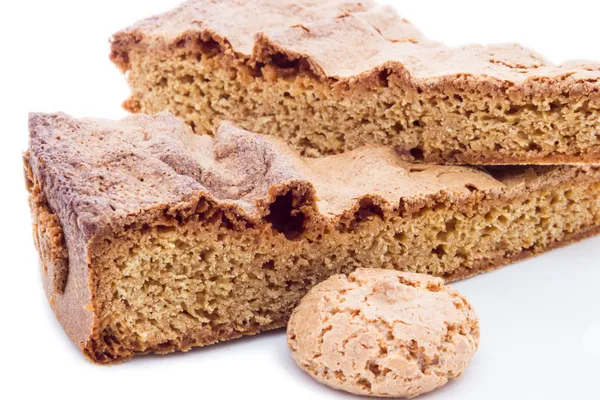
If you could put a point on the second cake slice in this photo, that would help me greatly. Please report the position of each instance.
(331, 76)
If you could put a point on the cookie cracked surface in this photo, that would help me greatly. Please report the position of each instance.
(383, 333)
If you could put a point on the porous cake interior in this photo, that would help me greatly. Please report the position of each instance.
(182, 282)
(454, 123)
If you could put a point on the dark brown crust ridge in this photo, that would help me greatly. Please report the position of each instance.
(64, 262)
(349, 41)
(92, 181)
(90, 168)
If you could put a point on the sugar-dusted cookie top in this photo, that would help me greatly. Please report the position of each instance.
(383, 333)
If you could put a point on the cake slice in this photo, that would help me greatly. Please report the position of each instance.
(329, 76)
(153, 239)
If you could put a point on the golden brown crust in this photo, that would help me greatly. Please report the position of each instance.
(65, 279)
(90, 168)
(48, 235)
(94, 165)
(348, 41)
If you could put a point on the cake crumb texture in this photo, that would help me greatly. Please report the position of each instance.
(383, 333)
(331, 76)
(154, 239)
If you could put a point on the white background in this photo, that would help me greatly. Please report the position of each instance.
(540, 318)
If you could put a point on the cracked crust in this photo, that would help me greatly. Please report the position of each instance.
(91, 167)
(349, 40)
(383, 333)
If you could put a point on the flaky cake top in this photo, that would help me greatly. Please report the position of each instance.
(114, 173)
(346, 40)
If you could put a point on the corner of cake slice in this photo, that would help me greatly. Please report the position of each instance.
(331, 76)
(154, 239)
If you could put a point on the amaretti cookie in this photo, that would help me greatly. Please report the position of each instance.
(330, 76)
(154, 239)
(383, 333)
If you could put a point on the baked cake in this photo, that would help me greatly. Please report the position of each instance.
(329, 76)
(154, 239)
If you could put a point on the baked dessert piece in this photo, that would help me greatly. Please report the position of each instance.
(154, 239)
(330, 76)
(383, 333)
